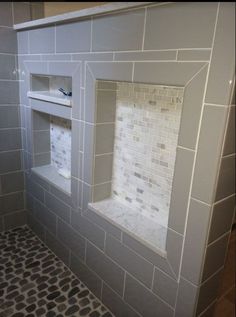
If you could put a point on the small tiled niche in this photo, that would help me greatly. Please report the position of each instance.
(52, 149)
(137, 128)
(46, 87)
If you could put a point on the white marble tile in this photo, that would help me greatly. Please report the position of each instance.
(140, 227)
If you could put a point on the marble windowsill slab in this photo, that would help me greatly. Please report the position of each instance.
(51, 97)
(50, 174)
(141, 228)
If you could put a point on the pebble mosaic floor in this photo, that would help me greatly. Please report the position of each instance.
(34, 282)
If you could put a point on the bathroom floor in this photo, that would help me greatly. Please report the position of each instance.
(34, 282)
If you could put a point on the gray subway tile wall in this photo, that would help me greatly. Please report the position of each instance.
(109, 262)
(12, 202)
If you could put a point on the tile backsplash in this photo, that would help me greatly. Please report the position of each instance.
(60, 135)
(146, 135)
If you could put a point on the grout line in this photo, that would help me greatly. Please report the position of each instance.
(144, 28)
(196, 74)
(219, 238)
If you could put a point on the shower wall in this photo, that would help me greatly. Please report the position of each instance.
(11, 169)
(194, 52)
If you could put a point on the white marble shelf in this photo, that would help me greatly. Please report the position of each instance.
(141, 228)
(50, 174)
(51, 97)
(80, 14)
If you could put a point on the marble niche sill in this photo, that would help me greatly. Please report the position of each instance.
(51, 97)
(141, 228)
(51, 175)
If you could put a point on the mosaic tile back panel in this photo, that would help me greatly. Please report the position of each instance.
(60, 134)
(146, 135)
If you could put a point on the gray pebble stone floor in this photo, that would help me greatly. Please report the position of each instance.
(34, 282)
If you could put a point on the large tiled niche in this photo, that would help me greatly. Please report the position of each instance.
(140, 124)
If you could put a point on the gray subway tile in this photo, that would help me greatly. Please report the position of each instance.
(222, 210)
(10, 161)
(34, 189)
(8, 37)
(92, 56)
(90, 101)
(41, 121)
(7, 67)
(104, 138)
(211, 137)
(42, 40)
(11, 182)
(36, 227)
(116, 304)
(59, 249)
(62, 69)
(89, 138)
(15, 219)
(165, 287)
(88, 277)
(142, 56)
(186, 299)
(87, 196)
(174, 243)
(196, 236)
(148, 254)
(9, 92)
(11, 202)
(101, 191)
(208, 292)
(106, 106)
(103, 168)
(114, 71)
(181, 25)
(56, 57)
(60, 195)
(9, 117)
(41, 141)
(103, 223)
(226, 180)
(111, 273)
(39, 180)
(42, 159)
(44, 216)
(215, 256)
(79, 39)
(23, 42)
(144, 301)
(194, 55)
(87, 229)
(51, 108)
(192, 106)
(230, 138)
(122, 31)
(168, 73)
(223, 57)
(180, 194)
(58, 207)
(70, 238)
(129, 260)
(6, 14)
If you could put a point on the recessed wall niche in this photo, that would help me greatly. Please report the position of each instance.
(137, 128)
(52, 149)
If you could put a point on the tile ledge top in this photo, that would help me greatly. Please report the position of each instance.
(81, 14)
(149, 233)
